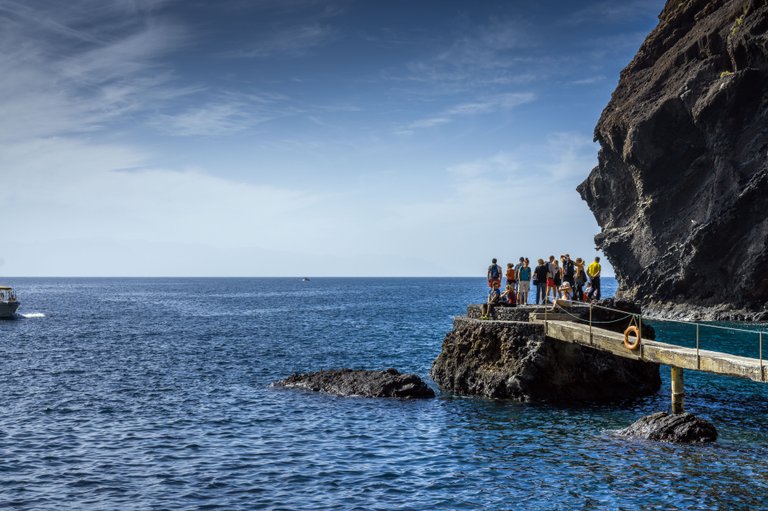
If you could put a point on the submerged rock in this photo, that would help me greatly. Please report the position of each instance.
(361, 383)
(681, 186)
(515, 360)
(683, 428)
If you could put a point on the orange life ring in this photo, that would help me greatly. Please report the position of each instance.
(632, 329)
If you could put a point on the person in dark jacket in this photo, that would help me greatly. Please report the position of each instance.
(540, 280)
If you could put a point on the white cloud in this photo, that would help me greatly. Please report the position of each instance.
(229, 113)
(571, 156)
(60, 79)
(96, 204)
(292, 41)
(209, 120)
(612, 12)
(506, 205)
(499, 164)
(481, 106)
(496, 54)
(589, 80)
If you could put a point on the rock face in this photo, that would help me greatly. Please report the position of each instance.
(681, 186)
(515, 360)
(350, 382)
(681, 428)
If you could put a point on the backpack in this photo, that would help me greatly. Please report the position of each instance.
(494, 269)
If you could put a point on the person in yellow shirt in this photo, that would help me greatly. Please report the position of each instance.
(593, 271)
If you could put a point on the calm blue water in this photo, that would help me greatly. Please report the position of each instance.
(154, 394)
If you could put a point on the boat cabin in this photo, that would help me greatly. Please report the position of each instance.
(7, 295)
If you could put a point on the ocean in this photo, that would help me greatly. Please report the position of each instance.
(155, 394)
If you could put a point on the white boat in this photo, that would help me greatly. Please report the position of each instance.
(8, 302)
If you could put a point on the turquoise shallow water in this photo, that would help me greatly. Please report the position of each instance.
(154, 394)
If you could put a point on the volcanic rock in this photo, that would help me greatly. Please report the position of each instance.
(361, 383)
(678, 428)
(515, 360)
(681, 186)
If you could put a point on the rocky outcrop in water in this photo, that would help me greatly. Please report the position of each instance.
(681, 186)
(683, 428)
(515, 360)
(361, 383)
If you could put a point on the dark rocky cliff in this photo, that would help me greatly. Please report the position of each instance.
(681, 186)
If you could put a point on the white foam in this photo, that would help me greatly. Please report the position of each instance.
(32, 315)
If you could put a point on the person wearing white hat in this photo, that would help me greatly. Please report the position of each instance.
(566, 291)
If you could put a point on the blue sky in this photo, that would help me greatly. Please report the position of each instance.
(300, 137)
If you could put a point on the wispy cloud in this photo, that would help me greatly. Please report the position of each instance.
(611, 12)
(291, 28)
(487, 56)
(588, 80)
(71, 69)
(530, 183)
(229, 112)
(560, 156)
(570, 156)
(502, 163)
(232, 112)
(481, 106)
(212, 120)
(294, 41)
(110, 195)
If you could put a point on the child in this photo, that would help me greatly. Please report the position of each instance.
(508, 296)
(494, 297)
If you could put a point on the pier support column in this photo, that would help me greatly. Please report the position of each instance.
(677, 390)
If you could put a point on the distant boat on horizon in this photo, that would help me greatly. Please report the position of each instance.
(305, 279)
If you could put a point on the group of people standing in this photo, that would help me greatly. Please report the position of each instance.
(563, 280)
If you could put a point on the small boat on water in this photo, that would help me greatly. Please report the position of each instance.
(8, 302)
(305, 279)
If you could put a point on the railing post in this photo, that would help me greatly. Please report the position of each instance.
(698, 357)
(762, 373)
(678, 393)
(590, 324)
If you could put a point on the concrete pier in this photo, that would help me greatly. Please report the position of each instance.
(659, 352)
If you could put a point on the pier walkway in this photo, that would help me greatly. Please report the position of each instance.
(574, 325)
(567, 327)
(654, 351)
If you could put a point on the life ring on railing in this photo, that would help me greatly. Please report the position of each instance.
(632, 329)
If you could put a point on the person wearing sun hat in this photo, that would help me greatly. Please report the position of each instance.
(566, 294)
